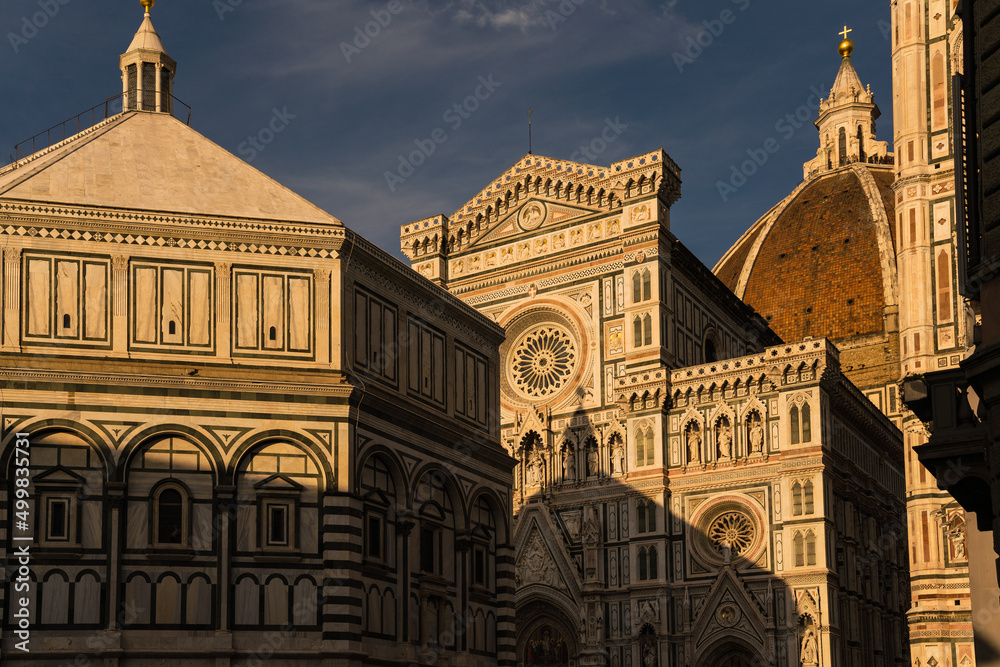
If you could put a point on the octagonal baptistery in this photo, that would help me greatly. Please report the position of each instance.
(822, 262)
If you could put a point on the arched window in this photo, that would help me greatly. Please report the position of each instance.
(799, 546)
(170, 519)
(810, 541)
(637, 326)
(793, 418)
(643, 565)
(843, 147)
(636, 288)
(796, 499)
(806, 423)
(800, 425)
(645, 516)
(640, 447)
(807, 495)
(711, 354)
(647, 287)
(861, 145)
(647, 329)
(651, 555)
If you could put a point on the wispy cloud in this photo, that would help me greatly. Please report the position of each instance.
(500, 14)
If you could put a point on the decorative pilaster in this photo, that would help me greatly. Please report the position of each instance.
(225, 510)
(119, 294)
(506, 624)
(11, 299)
(223, 309)
(115, 498)
(323, 314)
(342, 585)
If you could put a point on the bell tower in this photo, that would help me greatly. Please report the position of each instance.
(147, 70)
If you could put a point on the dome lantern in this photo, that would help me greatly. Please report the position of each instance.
(147, 70)
(846, 121)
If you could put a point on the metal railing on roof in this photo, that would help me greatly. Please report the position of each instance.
(84, 120)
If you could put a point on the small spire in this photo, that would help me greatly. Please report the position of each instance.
(148, 4)
(846, 47)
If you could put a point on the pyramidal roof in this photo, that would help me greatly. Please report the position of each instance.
(847, 81)
(153, 162)
(146, 38)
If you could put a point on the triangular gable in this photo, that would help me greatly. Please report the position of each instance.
(154, 162)
(536, 564)
(540, 211)
(542, 559)
(729, 609)
(278, 482)
(58, 475)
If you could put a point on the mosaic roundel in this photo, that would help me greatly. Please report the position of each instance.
(732, 529)
(532, 216)
(543, 361)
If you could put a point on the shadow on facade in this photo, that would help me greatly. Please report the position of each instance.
(171, 536)
(607, 576)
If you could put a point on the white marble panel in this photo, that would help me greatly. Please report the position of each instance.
(87, 600)
(145, 305)
(246, 311)
(274, 313)
(247, 602)
(299, 311)
(39, 298)
(276, 602)
(96, 301)
(200, 310)
(199, 602)
(168, 601)
(67, 298)
(55, 599)
(172, 314)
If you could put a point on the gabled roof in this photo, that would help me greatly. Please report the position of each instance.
(153, 162)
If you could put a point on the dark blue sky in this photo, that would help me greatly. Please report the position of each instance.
(351, 112)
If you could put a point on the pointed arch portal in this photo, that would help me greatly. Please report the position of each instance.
(732, 654)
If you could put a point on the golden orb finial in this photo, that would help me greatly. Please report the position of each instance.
(148, 4)
(846, 47)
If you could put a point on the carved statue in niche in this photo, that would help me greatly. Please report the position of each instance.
(618, 454)
(755, 433)
(569, 463)
(955, 530)
(648, 647)
(809, 648)
(593, 458)
(724, 438)
(694, 442)
(537, 467)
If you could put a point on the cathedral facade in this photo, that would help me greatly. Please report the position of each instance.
(690, 489)
(234, 430)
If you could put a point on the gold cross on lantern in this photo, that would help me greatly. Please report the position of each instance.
(845, 32)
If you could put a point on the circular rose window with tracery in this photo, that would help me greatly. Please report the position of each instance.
(543, 361)
(734, 530)
(729, 521)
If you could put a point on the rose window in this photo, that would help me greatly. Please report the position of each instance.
(732, 529)
(543, 361)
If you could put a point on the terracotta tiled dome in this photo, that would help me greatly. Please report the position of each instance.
(821, 262)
